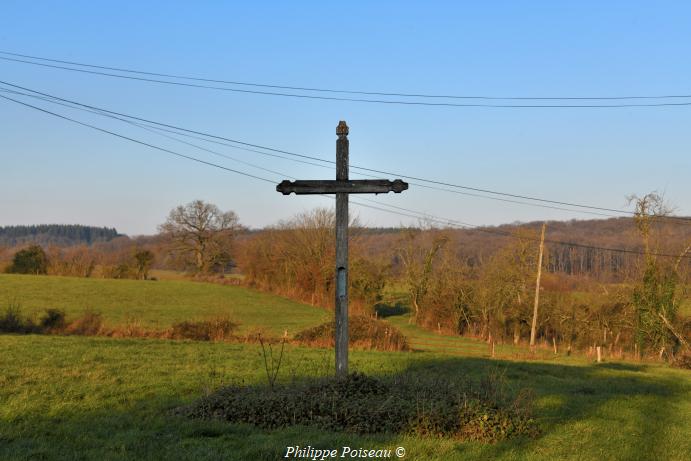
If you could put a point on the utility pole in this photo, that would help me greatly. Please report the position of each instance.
(342, 187)
(537, 287)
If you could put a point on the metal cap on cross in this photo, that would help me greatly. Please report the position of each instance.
(342, 187)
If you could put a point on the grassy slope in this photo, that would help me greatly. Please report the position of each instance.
(157, 304)
(102, 398)
(423, 340)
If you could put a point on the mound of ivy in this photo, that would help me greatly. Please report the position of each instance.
(363, 404)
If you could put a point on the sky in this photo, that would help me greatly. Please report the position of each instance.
(54, 171)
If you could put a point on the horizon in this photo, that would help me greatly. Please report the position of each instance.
(393, 227)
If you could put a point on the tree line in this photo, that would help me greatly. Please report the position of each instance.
(463, 282)
(56, 234)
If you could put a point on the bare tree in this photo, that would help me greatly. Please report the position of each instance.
(649, 209)
(201, 234)
(418, 261)
(658, 295)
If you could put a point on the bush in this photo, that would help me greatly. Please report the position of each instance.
(89, 324)
(31, 260)
(217, 329)
(12, 321)
(53, 320)
(364, 332)
(682, 361)
(362, 404)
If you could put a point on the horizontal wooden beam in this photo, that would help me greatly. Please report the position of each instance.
(360, 186)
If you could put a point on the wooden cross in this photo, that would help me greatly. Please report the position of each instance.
(342, 186)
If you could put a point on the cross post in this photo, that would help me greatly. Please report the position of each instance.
(341, 343)
(342, 187)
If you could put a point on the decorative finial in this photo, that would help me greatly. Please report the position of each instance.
(342, 128)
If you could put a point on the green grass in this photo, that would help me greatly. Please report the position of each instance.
(420, 339)
(97, 398)
(101, 398)
(158, 304)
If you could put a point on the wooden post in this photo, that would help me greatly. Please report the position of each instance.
(342, 153)
(342, 186)
(599, 354)
(533, 328)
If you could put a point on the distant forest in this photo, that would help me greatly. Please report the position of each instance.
(56, 234)
(575, 248)
(475, 247)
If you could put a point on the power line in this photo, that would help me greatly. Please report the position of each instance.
(162, 149)
(436, 182)
(157, 129)
(235, 141)
(408, 212)
(331, 90)
(362, 100)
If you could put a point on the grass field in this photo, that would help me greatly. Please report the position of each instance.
(158, 304)
(420, 339)
(103, 398)
(70, 397)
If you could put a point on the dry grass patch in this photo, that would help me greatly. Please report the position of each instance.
(364, 333)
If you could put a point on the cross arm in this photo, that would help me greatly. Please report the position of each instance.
(360, 186)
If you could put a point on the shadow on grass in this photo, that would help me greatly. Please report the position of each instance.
(567, 396)
(623, 366)
(386, 310)
(602, 407)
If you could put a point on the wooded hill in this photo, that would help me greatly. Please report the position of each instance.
(55, 234)
(572, 257)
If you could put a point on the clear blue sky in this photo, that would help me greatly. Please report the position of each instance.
(56, 172)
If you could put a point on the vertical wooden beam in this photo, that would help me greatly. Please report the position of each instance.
(533, 328)
(342, 152)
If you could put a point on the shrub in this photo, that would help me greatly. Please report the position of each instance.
(53, 320)
(216, 329)
(31, 260)
(682, 361)
(132, 328)
(407, 404)
(89, 324)
(12, 321)
(364, 332)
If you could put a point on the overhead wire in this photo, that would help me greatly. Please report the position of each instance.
(349, 99)
(341, 91)
(157, 129)
(162, 149)
(309, 157)
(406, 212)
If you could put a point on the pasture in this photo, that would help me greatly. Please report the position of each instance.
(104, 398)
(71, 397)
(158, 304)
